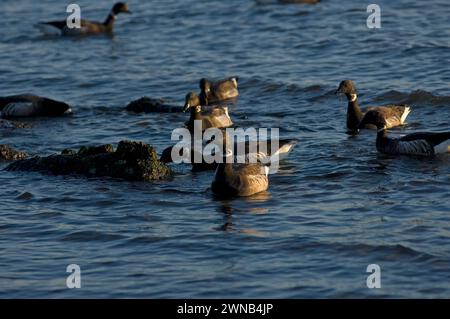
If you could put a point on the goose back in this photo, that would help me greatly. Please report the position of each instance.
(240, 180)
(28, 105)
(212, 92)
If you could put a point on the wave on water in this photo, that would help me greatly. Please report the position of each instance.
(267, 85)
(91, 236)
(389, 252)
(417, 97)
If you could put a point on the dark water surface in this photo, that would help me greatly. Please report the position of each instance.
(335, 206)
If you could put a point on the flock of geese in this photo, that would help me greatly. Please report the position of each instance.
(208, 106)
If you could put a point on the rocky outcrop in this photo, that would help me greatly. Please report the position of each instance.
(9, 154)
(150, 105)
(134, 161)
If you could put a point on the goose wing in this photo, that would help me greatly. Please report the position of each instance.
(18, 99)
(219, 117)
(432, 138)
(414, 147)
(394, 115)
(250, 179)
(226, 89)
(270, 152)
(18, 105)
(86, 26)
(91, 26)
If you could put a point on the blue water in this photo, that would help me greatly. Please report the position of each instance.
(334, 207)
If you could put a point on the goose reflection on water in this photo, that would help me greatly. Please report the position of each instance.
(229, 207)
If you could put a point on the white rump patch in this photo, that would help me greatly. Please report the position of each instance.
(442, 148)
(405, 114)
(266, 170)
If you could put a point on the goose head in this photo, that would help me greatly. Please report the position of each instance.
(375, 118)
(53, 108)
(166, 156)
(346, 87)
(192, 101)
(120, 7)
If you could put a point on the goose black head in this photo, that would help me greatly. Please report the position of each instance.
(166, 156)
(373, 117)
(192, 100)
(205, 86)
(346, 87)
(120, 7)
(53, 108)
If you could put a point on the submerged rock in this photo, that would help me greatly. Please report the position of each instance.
(149, 105)
(134, 161)
(9, 154)
(5, 124)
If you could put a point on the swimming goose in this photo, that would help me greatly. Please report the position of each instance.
(262, 155)
(91, 27)
(239, 179)
(394, 115)
(28, 105)
(211, 92)
(216, 117)
(421, 143)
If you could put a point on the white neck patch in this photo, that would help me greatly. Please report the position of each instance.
(353, 97)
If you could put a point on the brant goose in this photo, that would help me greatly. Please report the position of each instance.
(421, 143)
(216, 117)
(394, 115)
(91, 27)
(265, 156)
(239, 179)
(28, 105)
(211, 92)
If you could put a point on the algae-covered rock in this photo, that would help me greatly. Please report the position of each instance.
(5, 124)
(9, 154)
(133, 161)
(150, 105)
(94, 150)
